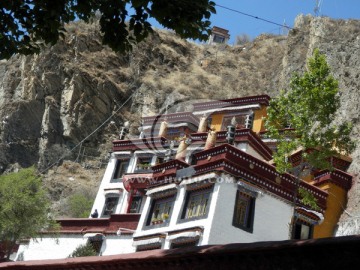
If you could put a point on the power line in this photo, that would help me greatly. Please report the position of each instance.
(282, 25)
(252, 16)
(92, 133)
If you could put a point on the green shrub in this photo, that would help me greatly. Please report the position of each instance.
(24, 208)
(83, 251)
(79, 205)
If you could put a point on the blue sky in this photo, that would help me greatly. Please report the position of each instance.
(277, 11)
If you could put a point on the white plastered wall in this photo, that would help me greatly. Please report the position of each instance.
(49, 247)
(114, 244)
(175, 223)
(271, 220)
(63, 246)
(106, 184)
(249, 149)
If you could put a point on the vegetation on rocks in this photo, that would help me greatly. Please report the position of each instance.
(308, 109)
(79, 205)
(68, 90)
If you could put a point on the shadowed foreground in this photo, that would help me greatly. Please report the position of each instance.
(309, 254)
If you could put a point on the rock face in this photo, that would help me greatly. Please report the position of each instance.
(339, 40)
(51, 103)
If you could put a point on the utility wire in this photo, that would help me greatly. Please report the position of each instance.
(282, 25)
(120, 107)
(252, 16)
(92, 133)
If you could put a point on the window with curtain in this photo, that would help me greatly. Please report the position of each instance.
(197, 203)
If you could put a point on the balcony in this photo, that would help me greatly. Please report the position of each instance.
(143, 168)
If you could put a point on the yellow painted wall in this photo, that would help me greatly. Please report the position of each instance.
(335, 203)
(216, 121)
(308, 178)
(258, 124)
(258, 119)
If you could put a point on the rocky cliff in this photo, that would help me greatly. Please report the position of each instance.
(51, 103)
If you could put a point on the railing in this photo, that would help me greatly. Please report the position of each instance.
(143, 170)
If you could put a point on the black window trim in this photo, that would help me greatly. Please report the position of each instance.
(138, 209)
(119, 162)
(107, 196)
(251, 217)
(147, 224)
(299, 221)
(188, 192)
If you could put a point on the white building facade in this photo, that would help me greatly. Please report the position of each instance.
(184, 182)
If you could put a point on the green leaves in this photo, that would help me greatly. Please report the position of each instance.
(189, 19)
(23, 206)
(83, 251)
(309, 108)
(307, 198)
(27, 25)
(80, 205)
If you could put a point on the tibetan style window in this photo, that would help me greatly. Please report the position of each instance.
(174, 133)
(160, 160)
(161, 211)
(121, 168)
(135, 204)
(244, 211)
(197, 203)
(240, 121)
(303, 230)
(111, 201)
(192, 158)
(96, 243)
(219, 39)
(143, 164)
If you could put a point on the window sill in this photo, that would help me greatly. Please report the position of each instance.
(116, 180)
(183, 220)
(156, 225)
(249, 230)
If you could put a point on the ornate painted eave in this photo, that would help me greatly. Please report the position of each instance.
(240, 164)
(152, 143)
(127, 222)
(309, 216)
(241, 135)
(152, 130)
(340, 162)
(250, 137)
(339, 178)
(185, 117)
(260, 99)
(165, 172)
(138, 181)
